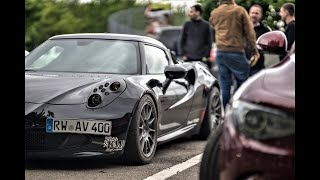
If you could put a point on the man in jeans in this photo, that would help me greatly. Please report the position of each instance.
(233, 30)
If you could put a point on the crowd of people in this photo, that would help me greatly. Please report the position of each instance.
(236, 32)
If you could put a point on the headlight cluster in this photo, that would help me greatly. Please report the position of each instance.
(104, 93)
(261, 122)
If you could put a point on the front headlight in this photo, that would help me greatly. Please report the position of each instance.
(261, 122)
(103, 93)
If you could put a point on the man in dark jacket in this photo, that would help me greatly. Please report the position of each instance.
(256, 13)
(287, 15)
(196, 37)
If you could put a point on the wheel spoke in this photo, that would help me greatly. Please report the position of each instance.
(140, 138)
(215, 101)
(218, 106)
(151, 121)
(150, 139)
(141, 120)
(144, 112)
(149, 113)
(148, 146)
(142, 144)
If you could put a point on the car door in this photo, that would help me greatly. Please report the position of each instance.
(174, 109)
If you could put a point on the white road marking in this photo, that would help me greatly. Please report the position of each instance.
(175, 169)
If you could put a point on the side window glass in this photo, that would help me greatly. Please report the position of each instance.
(156, 60)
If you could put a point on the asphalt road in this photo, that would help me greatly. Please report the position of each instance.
(167, 155)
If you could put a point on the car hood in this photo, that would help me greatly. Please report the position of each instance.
(273, 87)
(60, 88)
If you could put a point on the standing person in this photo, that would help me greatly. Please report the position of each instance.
(255, 14)
(288, 16)
(196, 37)
(233, 29)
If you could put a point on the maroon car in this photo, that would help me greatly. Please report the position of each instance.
(257, 139)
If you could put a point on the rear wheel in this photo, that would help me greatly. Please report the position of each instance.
(142, 136)
(213, 115)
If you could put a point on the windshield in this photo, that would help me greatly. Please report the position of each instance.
(85, 55)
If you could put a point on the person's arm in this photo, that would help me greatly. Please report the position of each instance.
(209, 41)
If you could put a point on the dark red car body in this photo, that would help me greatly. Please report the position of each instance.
(257, 139)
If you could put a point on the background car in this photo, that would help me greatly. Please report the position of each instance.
(113, 95)
(257, 138)
(170, 37)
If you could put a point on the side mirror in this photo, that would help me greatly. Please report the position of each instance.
(173, 72)
(274, 42)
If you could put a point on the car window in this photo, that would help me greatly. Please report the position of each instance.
(85, 55)
(47, 57)
(156, 59)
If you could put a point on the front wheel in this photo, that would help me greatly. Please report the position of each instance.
(209, 168)
(142, 136)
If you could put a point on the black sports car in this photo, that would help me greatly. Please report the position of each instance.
(114, 95)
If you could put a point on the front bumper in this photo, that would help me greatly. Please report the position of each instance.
(42, 145)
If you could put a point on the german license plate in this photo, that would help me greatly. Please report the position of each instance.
(78, 126)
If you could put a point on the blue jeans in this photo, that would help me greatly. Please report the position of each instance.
(231, 64)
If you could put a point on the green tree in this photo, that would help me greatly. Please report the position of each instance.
(45, 18)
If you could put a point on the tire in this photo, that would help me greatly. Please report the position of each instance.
(142, 136)
(209, 162)
(213, 115)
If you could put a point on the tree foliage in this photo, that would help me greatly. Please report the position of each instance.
(45, 18)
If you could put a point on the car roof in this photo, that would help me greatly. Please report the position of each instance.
(113, 36)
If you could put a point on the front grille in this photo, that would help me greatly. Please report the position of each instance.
(39, 140)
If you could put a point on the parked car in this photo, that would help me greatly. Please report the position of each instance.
(113, 95)
(26, 52)
(170, 37)
(257, 138)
